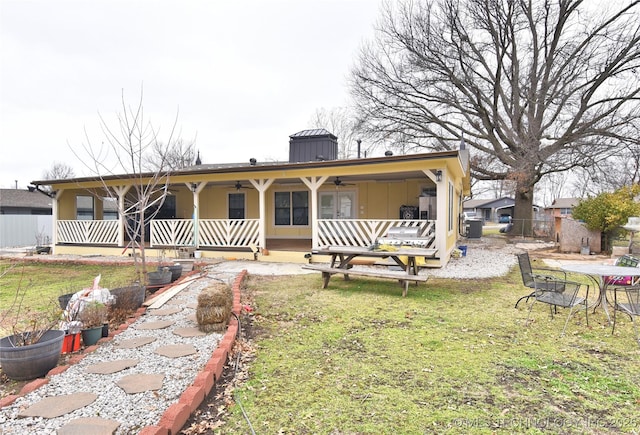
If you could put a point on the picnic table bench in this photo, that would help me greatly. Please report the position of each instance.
(342, 256)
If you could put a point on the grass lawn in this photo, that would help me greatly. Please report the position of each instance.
(36, 286)
(452, 357)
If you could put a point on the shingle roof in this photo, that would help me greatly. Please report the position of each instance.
(24, 199)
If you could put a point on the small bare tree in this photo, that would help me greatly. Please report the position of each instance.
(125, 149)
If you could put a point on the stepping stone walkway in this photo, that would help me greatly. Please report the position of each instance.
(189, 332)
(89, 426)
(138, 376)
(139, 383)
(161, 324)
(176, 350)
(135, 342)
(52, 407)
(109, 367)
(165, 312)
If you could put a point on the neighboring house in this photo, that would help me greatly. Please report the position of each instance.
(22, 201)
(562, 207)
(490, 209)
(25, 218)
(282, 209)
(571, 235)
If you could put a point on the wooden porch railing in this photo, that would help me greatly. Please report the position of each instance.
(172, 232)
(88, 232)
(215, 233)
(237, 233)
(228, 232)
(365, 232)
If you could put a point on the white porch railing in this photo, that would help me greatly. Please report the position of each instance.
(365, 232)
(228, 232)
(172, 232)
(88, 232)
(237, 233)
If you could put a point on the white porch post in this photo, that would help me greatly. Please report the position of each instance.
(121, 191)
(442, 205)
(196, 189)
(54, 218)
(261, 186)
(314, 183)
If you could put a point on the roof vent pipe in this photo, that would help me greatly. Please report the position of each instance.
(359, 141)
(252, 161)
(388, 153)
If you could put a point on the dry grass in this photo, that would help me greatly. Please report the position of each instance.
(452, 357)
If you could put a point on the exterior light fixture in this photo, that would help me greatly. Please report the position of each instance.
(438, 175)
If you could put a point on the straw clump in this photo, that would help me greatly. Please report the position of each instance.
(214, 308)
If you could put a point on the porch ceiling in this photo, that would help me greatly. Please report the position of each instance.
(387, 177)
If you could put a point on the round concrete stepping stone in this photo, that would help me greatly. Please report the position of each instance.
(160, 324)
(52, 407)
(108, 367)
(132, 343)
(175, 301)
(189, 332)
(193, 305)
(192, 318)
(176, 350)
(165, 311)
(140, 383)
(89, 426)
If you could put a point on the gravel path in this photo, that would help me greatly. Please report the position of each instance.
(132, 411)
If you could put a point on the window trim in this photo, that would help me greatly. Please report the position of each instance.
(93, 208)
(244, 205)
(291, 224)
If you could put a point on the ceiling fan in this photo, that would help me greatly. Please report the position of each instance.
(239, 186)
(339, 183)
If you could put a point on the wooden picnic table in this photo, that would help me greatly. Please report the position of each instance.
(341, 257)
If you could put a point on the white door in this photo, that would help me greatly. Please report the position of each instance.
(337, 205)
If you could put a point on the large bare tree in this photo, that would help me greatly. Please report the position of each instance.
(58, 171)
(534, 87)
(342, 122)
(125, 148)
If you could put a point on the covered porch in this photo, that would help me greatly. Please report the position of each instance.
(280, 211)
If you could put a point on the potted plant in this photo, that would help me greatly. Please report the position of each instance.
(34, 347)
(92, 315)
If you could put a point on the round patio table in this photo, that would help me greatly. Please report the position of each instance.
(597, 272)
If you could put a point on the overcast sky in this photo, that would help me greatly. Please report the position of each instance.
(240, 75)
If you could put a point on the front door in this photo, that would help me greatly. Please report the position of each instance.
(337, 205)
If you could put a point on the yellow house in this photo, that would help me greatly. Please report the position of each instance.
(272, 211)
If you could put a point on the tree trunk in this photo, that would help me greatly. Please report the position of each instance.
(143, 236)
(523, 210)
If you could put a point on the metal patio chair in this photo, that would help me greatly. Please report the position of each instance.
(527, 272)
(631, 307)
(552, 288)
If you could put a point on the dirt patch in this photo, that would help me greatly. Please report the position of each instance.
(213, 411)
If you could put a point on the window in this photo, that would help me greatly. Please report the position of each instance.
(84, 208)
(292, 208)
(236, 206)
(566, 211)
(109, 208)
(450, 208)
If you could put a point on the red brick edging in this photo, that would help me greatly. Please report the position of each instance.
(175, 417)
